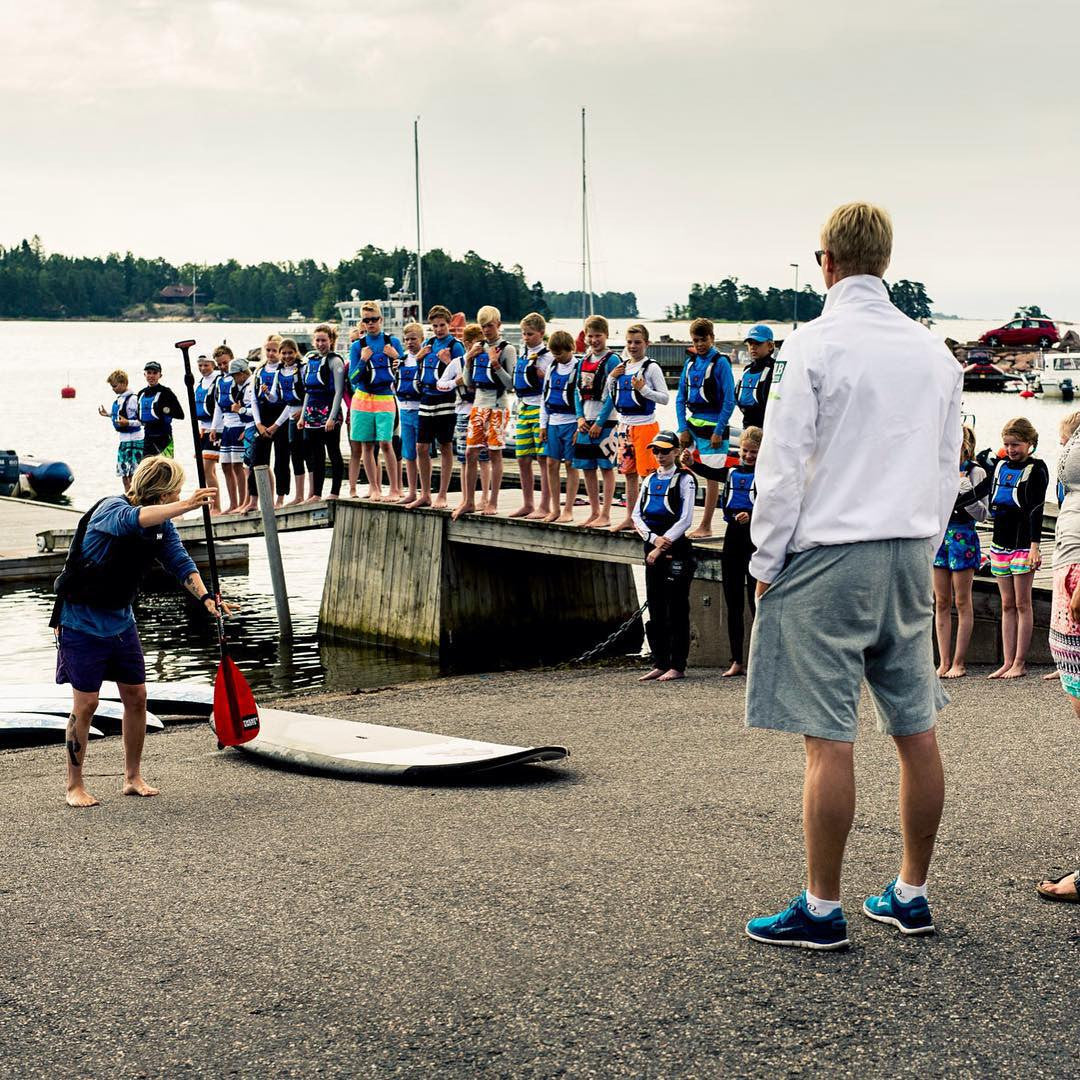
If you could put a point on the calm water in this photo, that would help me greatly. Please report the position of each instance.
(38, 358)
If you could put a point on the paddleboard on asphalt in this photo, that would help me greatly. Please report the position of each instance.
(171, 698)
(350, 748)
(32, 729)
(109, 714)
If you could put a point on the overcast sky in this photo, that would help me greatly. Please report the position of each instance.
(721, 133)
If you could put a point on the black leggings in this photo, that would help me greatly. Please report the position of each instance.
(279, 444)
(735, 567)
(318, 445)
(296, 449)
(667, 588)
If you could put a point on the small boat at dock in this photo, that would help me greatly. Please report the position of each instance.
(44, 478)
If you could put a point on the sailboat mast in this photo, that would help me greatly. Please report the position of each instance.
(419, 267)
(586, 304)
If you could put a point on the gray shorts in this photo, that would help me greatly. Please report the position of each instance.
(837, 615)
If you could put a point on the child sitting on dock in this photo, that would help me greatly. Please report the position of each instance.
(704, 403)
(558, 424)
(595, 454)
(124, 414)
(529, 371)
(956, 562)
(634, 390)
(1016, 483)
(406, 371)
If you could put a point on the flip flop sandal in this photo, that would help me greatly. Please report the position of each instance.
(1047, 895)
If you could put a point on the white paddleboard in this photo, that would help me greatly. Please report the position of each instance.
(173, 699)
(28, 729)
(349, 748)
(107, 713)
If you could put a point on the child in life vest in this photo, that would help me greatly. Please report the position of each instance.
(530, 368)
(595, 456)
(956, 562)
(456, 379)
(1016, 483)
(125, 419)
(558, 424)
(406, 370)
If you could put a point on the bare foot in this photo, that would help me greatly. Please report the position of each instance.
(490, 510)
(566, 517)
(279, 503)
(671, 675)
(353, 493)
(438, 503)
(521, 511)
(1000, 672)
(1051, 677)
(941, 669)
(375, 496)
(295, 502)
(602, 522)
(1017, 671)
(463, 508)
(394, 497)
(79, 796)
(331, 498)
(313, 498)
(552, 515)
(587, 522)
(628, 523)
(735, 669)
(650, 675)
(957, 671)
(700, 533)
(140, 787)
(1065, 887)
(538, 515)
(216, 513)
(416, 503)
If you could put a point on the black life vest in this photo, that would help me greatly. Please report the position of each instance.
(593, 375)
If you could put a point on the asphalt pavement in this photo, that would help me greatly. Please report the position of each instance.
(581, 919)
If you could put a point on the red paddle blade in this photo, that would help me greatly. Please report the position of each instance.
(236, 716)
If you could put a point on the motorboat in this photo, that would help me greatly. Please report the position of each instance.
(981, 373)
(44, 478)
(1059, 373)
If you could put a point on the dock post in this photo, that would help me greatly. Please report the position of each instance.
(273, 549)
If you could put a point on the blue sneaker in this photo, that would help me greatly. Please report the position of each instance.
(912, 918)
(796, 926)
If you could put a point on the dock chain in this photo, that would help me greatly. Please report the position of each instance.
(610, 640)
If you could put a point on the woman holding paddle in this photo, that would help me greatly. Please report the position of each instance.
(116, 543)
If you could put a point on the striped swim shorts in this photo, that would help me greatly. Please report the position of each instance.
(527, 442)
(1009, 561)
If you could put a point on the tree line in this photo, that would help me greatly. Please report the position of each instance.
(735, 301)
(40, 285)
(614, 305)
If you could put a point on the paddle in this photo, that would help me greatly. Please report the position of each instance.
(236, 716)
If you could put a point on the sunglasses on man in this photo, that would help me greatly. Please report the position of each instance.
(370, 319)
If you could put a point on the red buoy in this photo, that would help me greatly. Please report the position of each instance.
(67, 391)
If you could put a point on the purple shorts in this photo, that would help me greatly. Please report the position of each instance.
(86, 661)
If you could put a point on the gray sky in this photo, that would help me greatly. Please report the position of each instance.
(721, 134)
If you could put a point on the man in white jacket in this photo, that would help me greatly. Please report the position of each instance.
(855, 483)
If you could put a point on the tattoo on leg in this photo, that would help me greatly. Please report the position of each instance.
(73, 745)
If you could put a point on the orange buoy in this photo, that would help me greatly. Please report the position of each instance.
(67, 391)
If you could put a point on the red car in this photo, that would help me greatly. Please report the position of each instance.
(1039, 332)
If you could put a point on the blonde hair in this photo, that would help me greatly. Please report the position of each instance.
(324, 328)
(223, 350)
(1020, 427)
(1069, 424)
(561, 342)
(638, 328)
(597, 324)
(413, 328)
(751, 436)
(372, 306)
(967, 443)
(117, 377)
(533, 321)
(154, 479)
(488, 314)
(472, 332)
(439, 311)
(275, 338)
(858, 236)
(702, 328)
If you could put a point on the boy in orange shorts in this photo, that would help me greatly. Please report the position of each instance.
(635, 388)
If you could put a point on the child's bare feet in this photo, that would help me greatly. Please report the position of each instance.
(1017, 671)
(671, 675)
(1000, 672)
(588, 521)
(489, 509)
(439, 502)
(79, 797)
(313, 498)
(463, 508)
(423, 500)
(1066, 887)
(521, 511)
(957, 671)
(700, 533)
(627, 523)
(1053, 676)
(552, 515)
(538, 515)
(941, 669)
(566, 517)
(140, 787)
(650, 675)
(602, 522)
(735, 669)
(279, 503)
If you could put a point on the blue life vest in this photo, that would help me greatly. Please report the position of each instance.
(661, 500)
(375, 375)
(740, 493)
(1060, 493)
(227, 393)
(147, 410)
(316, 377)
(627, 400)
(528, 382)
(119, 408)
(264, 387)
(748, 387)
(288, 391)
(559, 397)
(480, 371)
(405, 381)
(203, 413)
(1008, 479)
(701, 389)
(432, 369)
